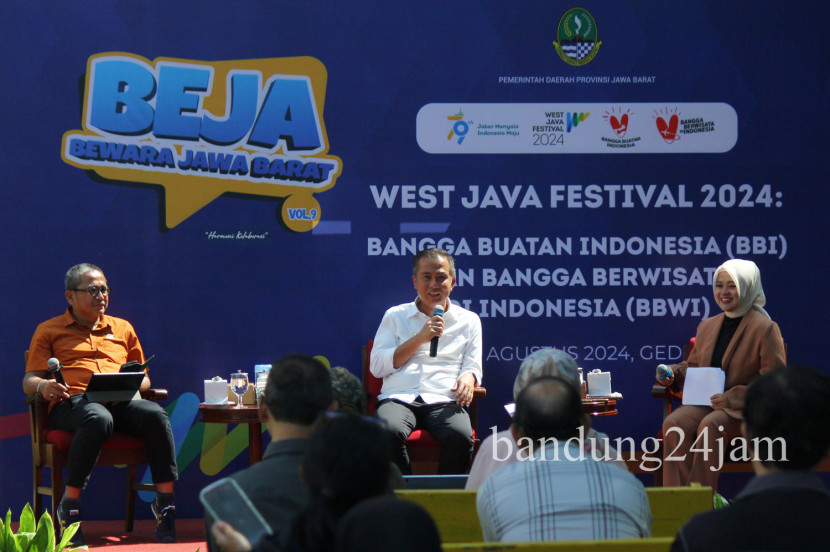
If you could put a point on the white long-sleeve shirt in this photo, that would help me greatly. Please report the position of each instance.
(459, 352)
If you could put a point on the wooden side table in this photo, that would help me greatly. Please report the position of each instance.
(229, 414)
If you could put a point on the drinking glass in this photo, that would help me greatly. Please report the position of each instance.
(239, 384)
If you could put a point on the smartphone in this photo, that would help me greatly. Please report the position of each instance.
(225, 500)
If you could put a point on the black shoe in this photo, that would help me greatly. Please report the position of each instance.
(165, 522)
(66, 517)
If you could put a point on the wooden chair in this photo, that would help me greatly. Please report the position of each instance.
(50, 449)
(671, 507)
(666, 394)
(456, 516)
(454, 512)
(424, 450)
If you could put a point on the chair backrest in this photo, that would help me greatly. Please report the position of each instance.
(671, 507)
(455, 514)
(371, 384)
(661, 544)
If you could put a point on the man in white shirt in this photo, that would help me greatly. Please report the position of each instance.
(422, 391)
(559, 492)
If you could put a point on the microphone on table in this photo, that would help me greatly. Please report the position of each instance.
(664, 372)
(433, 344)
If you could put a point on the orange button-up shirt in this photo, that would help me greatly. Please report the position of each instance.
(83, 351)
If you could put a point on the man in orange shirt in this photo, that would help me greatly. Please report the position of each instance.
(86, 341)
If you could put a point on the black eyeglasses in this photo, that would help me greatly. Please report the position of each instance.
(95, 290)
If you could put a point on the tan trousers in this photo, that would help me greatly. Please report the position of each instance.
(685, 427)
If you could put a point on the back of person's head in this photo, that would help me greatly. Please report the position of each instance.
(549, 406)
(788, 411)
(385, 523)
(348, 391)
(298, 390)
(346, 461)
(546, 362)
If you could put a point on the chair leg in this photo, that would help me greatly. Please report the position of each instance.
(37, 501)
(57, 494)
(129, 516)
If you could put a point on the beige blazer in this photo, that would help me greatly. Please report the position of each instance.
(756, 347)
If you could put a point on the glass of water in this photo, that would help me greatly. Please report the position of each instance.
(239, 384)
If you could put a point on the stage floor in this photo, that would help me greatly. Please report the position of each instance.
(110, 536)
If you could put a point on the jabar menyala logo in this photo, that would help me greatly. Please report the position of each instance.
(203, 128)
(576, 37)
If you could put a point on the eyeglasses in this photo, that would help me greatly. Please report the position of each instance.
(95, 290)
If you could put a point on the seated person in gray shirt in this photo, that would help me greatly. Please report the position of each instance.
(558, 491)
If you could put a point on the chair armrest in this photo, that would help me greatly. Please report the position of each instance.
(154, 394)
(33, 398)
(479, 392)
(149, 394)
(665, 393)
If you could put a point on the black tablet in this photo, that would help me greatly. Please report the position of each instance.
(118, 386)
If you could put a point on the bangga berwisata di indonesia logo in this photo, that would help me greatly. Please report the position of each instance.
(200, 129)
(576, 37)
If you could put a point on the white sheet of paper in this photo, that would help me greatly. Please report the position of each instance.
(701, 384)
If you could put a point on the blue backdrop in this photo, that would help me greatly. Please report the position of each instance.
(581, 213)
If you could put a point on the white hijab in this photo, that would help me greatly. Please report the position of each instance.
(747, 279)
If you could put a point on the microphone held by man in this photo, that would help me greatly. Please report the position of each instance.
(55, 370)
(437, 310)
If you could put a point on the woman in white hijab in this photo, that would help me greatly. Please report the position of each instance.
(500, 449)
(744, 342)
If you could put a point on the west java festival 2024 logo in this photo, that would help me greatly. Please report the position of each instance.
(203, 128)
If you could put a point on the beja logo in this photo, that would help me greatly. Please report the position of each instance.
(200, 129)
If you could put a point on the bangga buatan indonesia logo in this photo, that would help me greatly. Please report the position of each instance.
(200, 129)
(576, 37)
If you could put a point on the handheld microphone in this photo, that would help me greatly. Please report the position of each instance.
(55, 369)
(433, 344)
(664, 372)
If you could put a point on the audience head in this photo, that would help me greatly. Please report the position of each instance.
(546, 362)
(298, 390)
(347, 461)
(348, 391)
(549, 406)
(747, 279)
(791, 407)
(386, 523)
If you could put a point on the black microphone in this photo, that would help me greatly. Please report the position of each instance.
(433, 344)
(55, 370)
